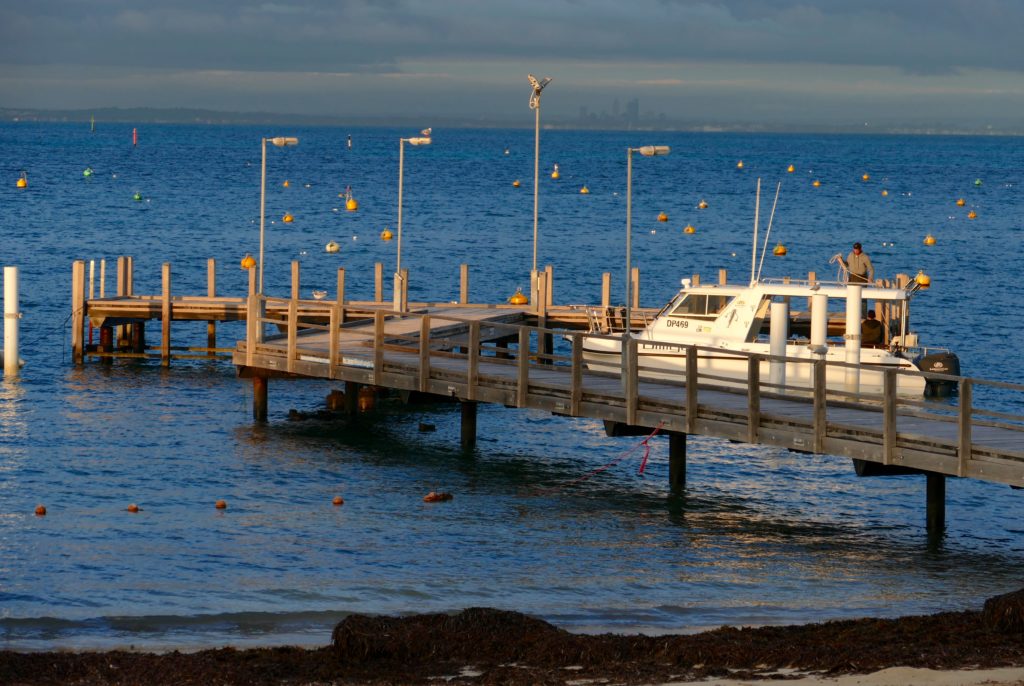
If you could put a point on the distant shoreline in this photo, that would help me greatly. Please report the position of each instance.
(145, 115)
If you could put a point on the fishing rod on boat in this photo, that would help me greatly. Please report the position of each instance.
(768, 232)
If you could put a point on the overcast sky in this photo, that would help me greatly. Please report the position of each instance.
(947, 62)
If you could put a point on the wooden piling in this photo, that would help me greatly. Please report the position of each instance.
(259, 398)
(676, 461)
(138, 341)
(107, 343)
(378, 282)
(352, 389)
(723, 277)
(464, 284)
(468, 426)
(295, 280)
(606, 290)
(165, 316)
(549, 275)
(78, 311)
(211, 291)
(936, 507)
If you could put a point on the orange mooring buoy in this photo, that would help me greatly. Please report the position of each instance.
(221, 505)
(338, 500)
(436, 497)
(133, 508)
(40, 510)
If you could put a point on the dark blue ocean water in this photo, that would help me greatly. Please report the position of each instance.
(762, 536)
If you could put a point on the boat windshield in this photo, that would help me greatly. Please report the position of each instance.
(700, 305)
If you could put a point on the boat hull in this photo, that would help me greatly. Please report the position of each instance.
(729, 369)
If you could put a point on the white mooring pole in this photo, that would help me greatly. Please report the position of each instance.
(11, 317)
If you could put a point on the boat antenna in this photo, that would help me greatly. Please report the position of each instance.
(768, 233)
(753, 252)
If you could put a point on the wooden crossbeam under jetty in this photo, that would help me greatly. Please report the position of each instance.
(534, 358)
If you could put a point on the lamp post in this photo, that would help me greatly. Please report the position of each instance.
(538, 86)
(280, 142)
(399, 299)
(645, 151)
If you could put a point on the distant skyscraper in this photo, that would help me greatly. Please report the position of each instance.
(633, 111)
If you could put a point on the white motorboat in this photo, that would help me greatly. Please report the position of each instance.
(728, 319)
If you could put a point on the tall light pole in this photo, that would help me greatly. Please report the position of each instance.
(399, 300)
(645, 151)
(538, 86)
(280, 142)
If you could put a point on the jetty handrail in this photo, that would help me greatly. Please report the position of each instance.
(465, 343)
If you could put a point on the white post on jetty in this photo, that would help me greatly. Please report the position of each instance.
(11, 317)
(853, 305)
(778, 334)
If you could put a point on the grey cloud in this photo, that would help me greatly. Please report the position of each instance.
(917, 36)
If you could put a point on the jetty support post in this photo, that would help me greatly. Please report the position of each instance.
(165, 317)
(259, 398)
(606, 290)
(211, 292)
(11, 317)
(352, 398)
(78, 312)
(468, 427)
(778, 335)
(463, 284)
(378, 282)
(936, 503)
(676, 461)
(854, 299)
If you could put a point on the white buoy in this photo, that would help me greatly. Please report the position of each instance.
(854, 297)
(778, 334)
(11, 317)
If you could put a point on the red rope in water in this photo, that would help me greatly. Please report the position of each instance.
(645, 444)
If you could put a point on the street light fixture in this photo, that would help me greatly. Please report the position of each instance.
(399, 292)
(280, 142)
(645, 151)
(538, 86)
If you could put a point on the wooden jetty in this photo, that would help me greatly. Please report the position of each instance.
(505, 355)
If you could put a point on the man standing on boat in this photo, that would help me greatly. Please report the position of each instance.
(859, 267)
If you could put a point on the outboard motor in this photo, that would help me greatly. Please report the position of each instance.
(939, 363)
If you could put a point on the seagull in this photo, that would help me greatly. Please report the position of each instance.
(427, 131)
(319, 295)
